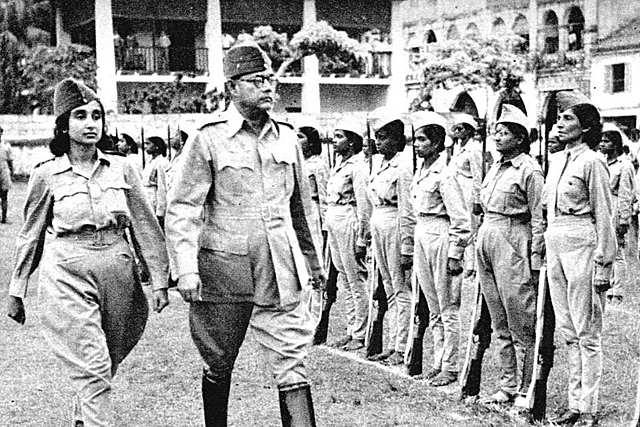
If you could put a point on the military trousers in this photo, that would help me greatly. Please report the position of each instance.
(385, 236)
(93, 313)
(504, 271)
(284, 333)
(571, 242)
(342, 227)
(430, 256)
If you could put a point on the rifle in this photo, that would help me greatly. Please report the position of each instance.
(373, 337)
(478, 342)
(328, 298)
(417, 328)
(535, 398)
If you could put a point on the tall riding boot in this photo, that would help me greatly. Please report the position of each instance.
(215, 396)
(296, 406)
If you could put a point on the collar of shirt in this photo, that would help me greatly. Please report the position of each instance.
(63, 164)
(574, 152)
(437, 167)
(616, 160)
(237, 120)
(393, 162)
(516, 162)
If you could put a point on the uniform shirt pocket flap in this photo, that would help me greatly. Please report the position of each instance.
(115, 184)
(69, 190)
(234, 160)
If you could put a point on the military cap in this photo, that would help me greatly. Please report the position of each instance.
(70, 94)
(512, 114)
(426, 118)
(465, 118)
(382, 116)
(245, 58)
(570, 98)
(350, 124)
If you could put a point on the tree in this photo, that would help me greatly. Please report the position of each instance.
(336, 51)
(9, 72)
(43, 67)
(492, 63)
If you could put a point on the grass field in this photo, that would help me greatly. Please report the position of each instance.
(158, 385)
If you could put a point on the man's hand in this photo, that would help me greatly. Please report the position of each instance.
(406, 262)
(160, 300)
(454, 266)
(15, 309)
(190, 287)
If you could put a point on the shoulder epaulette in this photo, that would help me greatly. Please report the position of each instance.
(43, 162)
(216, 120)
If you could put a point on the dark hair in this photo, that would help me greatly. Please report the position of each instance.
(355, 140)
(395, 129)
(435, 134)
(133, 147)
(616, 140)
(521, 132)
(160, 145)
(60, 144)
(589, 118)
(313, 139)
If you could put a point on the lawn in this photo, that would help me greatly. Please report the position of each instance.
(159, 383)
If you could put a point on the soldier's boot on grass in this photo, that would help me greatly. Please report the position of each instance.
(215, 396)
(296, 405)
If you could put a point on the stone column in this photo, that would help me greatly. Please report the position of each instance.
(310, 101)
(534, 26)
(396, 96)
(213, 42)
(105, 56)
(62, 37)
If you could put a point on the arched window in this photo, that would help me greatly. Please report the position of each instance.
(472, 31)
(499, 28)
(551, 37)
(453, 33)
(576, 29)
(430, 37)
(521, 29)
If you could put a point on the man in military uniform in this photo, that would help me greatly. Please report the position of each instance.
(239, 241)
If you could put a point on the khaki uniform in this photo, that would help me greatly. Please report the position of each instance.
(347, 227)
(5, 172)
(154, 180)
(510, 245)
(392, 228)
(581, 246)
(93, 307)
(622, 182)
(318, 174)
(442, 232)
(238, 214)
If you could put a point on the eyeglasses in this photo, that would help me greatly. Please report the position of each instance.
(259, 81)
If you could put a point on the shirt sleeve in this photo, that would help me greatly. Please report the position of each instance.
(301, 213)
(625, 194)
(183, 222)
(534, 185)
(597, 178)
(37, 214)
(363, 204)
(147, 238)
(161, 189)
(459, 216)
(475, 162)
(405, 210)
(322, 176)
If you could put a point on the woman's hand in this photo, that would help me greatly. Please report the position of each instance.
(160, 300)
(15, 309)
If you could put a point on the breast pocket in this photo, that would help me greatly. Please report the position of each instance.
(114, 196)
(512, 198)
(572, 194)
(71, 202)
(283, 172)
(234, 172)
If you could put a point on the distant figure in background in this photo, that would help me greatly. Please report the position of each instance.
(177, 144)
(154, 176)
(163, 43)
(128, 147)
(6, 172)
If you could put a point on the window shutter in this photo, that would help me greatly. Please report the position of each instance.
(608, 79)
(627, 77)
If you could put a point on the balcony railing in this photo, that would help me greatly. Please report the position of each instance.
(560, 61)
(149, 60)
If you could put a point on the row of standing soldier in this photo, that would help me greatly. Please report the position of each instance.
(423, 224)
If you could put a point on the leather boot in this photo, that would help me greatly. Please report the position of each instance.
(215, 396)
(296, 406)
